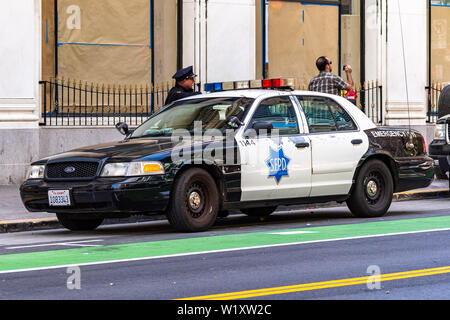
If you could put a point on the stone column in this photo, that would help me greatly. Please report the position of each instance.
(20, 23)
(406, 62)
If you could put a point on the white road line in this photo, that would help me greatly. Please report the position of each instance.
(71, 243)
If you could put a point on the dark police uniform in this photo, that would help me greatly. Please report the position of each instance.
(178, 92)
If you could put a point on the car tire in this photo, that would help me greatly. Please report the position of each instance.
(259, 212)
(373, 191)
(195, 202)
(440, 174)
(75, 224)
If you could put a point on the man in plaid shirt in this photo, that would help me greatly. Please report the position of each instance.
(328, 83)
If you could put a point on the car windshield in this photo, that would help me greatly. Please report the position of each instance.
(204, 113)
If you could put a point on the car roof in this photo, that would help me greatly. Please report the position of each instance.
(257, 93)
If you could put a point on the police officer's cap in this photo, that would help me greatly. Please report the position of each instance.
(184, 74)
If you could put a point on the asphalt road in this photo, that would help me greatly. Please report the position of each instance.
(310, 254)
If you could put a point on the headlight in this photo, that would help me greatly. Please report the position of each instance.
(439, 132)
(132, 169)
(36, 172)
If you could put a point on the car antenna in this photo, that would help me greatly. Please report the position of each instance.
(410, 143)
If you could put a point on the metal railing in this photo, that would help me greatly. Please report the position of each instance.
(71, 103)
(433, 95)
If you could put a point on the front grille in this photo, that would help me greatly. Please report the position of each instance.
(448, 133)
(72, 170)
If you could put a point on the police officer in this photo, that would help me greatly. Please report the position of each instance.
(183, 87)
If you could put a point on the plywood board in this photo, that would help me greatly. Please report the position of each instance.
(104, 41)
(105, 64)
(299, 34)
(440, 44)
(351, 45)
(48, 40)
(165, 39)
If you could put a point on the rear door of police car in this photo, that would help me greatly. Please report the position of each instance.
(337, 144)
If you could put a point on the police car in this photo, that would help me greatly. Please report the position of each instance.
(248, 149)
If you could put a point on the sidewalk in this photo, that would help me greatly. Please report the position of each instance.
(15, 218)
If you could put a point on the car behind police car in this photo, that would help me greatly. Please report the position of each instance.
(252, 150)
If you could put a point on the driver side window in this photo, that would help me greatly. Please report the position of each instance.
(280, 113)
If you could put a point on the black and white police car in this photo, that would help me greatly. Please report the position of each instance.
(247, 149)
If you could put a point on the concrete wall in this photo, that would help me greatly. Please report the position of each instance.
(20, 147)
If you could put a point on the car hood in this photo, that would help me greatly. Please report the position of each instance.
(117, 151)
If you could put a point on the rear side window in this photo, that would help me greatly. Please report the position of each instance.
(325, 115)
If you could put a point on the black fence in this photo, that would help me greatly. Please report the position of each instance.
(433, 95)
(68, 103)
(71, 103)
(370, 101)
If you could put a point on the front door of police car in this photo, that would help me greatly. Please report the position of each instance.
(275, 157)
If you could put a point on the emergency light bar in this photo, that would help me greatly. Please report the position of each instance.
(252, 84)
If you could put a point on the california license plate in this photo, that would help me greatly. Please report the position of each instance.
(59, 198)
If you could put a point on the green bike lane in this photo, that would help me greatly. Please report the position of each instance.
(32, 261)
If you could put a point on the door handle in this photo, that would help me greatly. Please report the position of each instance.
(302, 145)
(357, 141)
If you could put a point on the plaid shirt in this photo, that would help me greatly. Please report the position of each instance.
(327, 83)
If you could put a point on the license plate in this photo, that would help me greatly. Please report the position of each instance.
(59, 198)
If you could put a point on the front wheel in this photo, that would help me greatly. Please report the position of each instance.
(195, 202)
(74, 224)
(373, 191)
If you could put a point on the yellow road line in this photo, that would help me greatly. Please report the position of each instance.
(323, 285)
(28, 221)
(422, 191)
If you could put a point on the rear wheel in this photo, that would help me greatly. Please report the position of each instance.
(259, 212)
(75, 224)
(373, 191)
(195, 202)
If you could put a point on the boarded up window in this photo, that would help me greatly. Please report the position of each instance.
(440, 42)
(104, 41)
(298, 34)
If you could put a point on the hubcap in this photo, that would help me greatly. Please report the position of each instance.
(195, 200)
(372, 188)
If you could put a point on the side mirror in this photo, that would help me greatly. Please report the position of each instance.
(259, 129)
(122, 127)
(263, 127)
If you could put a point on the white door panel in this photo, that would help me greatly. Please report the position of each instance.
(275, 168)
(334, 161)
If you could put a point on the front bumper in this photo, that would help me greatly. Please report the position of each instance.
(102, 196)
(440, 152)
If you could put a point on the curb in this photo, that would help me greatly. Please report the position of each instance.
(14, 226)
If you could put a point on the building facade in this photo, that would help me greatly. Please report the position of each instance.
(403, 45)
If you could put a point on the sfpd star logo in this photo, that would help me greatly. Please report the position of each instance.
(278, 164)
